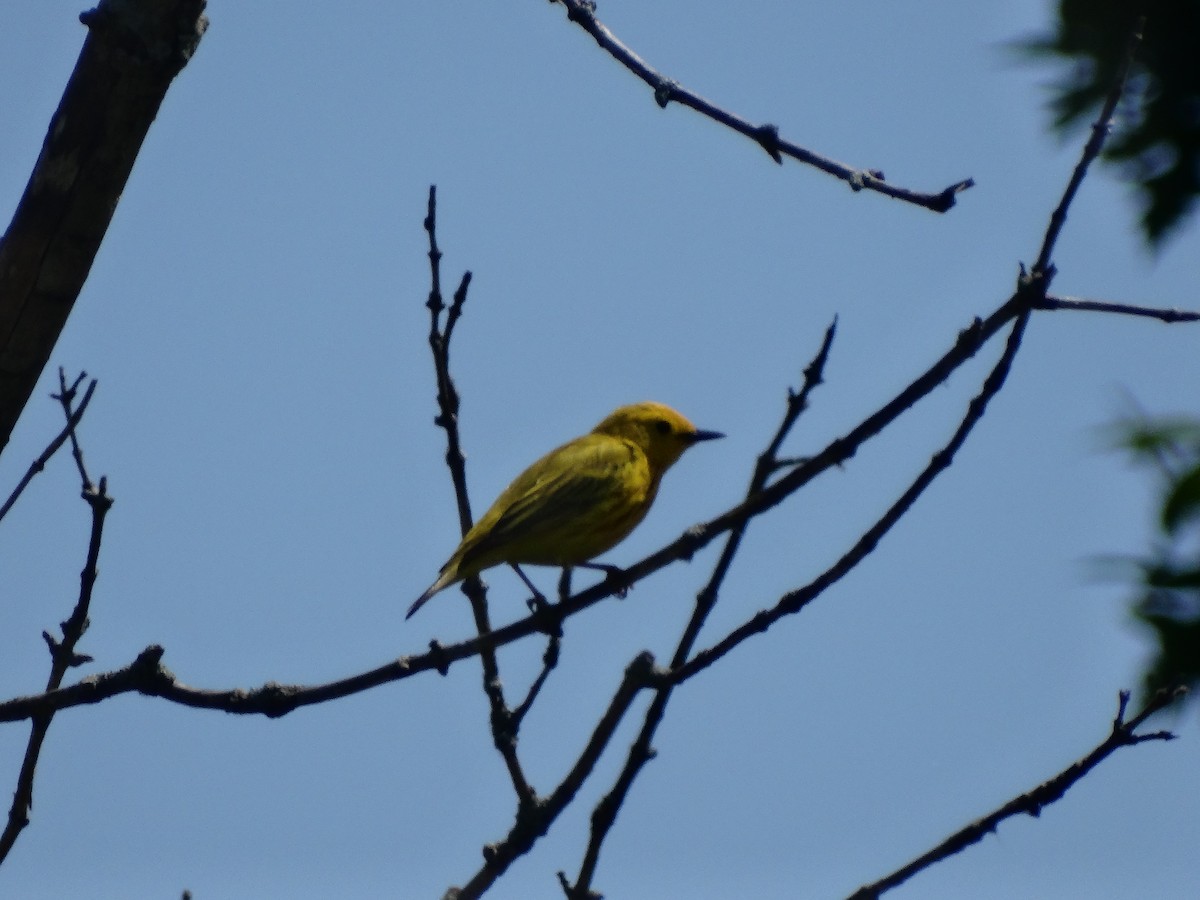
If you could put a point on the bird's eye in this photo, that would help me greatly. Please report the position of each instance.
(662, 426)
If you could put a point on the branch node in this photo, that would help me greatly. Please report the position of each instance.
(947, 198)
(573, 892)
(59, 652)
(97, 495)
(971, 333)
(1122, 706)
(641, 670)
(664, 91)
(438, 652)
(583, 11)
(692, 540)
(548, 619)
(767, 136)
(149, 661)
(1032, 284)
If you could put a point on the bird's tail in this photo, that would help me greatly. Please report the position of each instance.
(443, 580)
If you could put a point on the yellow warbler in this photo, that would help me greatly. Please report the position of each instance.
(579, 500)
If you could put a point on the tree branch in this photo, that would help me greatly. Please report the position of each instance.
(794, 601)
(1123, 734)
(1170, 316)
(504, 725)
(641, 751)
(535, 821)
(439, 345)
(583, 14)
(62, 652)
(66, 397)
(1091, 150)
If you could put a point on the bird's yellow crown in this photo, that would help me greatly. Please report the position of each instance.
(659, 431)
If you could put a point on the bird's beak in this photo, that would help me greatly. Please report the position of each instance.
(706, 436)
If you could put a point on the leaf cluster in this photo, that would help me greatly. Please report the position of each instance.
(1168, 599)
(1157, 147)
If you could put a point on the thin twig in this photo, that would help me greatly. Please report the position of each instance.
(63, 655)
(64, 397)
(73, 419)
(666, 90)
(1170, 316)
(549, 662)
(640, 752)
(439, 344)
(814, 372)
(504, 725)
(1123, 734)
(537, 820)
(1091, 150)
(793, 601)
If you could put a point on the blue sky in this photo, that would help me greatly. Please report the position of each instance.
(256, 320)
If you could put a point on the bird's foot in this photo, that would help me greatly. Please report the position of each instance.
(537, 603)
(615, 578)
(547, 617)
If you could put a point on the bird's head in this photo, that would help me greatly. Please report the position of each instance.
(660, 432)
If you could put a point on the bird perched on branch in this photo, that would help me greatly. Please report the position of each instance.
(577, 501)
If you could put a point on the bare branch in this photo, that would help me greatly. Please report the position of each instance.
(63, 656)
(504, 724)
(1170, 316)
(1091, 150)
(64, 398)
(538, 819)
(549, 661)
(666, 90)
(439, 344)
(814, 372)
(74, 415)
(1123, 734)
(641, 751)
(794, 601)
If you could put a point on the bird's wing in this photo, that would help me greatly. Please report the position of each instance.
(594, 484)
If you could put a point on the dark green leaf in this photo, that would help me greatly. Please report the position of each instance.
(1182, 504)
(1157, 140)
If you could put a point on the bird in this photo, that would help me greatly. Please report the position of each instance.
(579, 500)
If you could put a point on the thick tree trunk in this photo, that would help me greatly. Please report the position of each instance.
(134, 50)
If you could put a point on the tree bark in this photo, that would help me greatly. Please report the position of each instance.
(133, 51)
